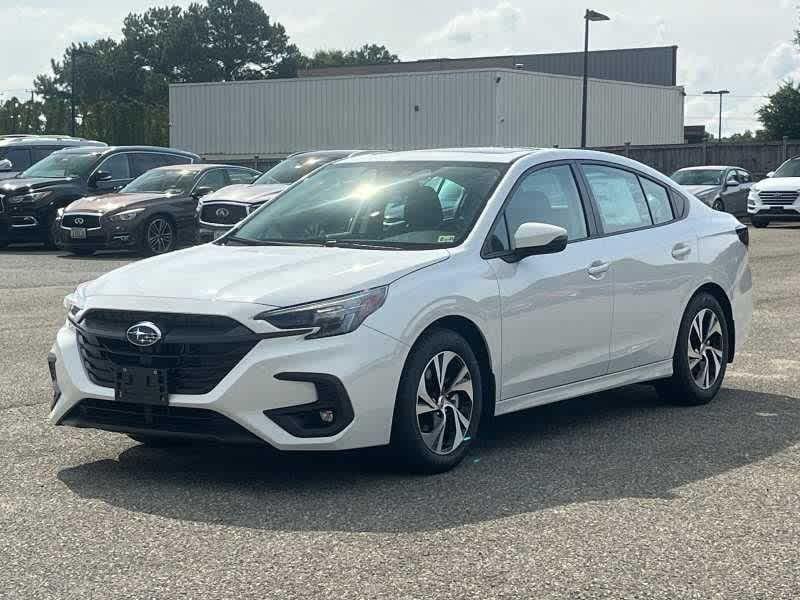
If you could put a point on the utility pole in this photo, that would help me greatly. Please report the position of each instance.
(719, 93)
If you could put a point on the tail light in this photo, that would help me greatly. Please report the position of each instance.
(744, 235)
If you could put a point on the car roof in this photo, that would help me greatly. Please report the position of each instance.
(110, 149)
(702, 168)
(491, 155)
(200, 167)
(42, 140)
(330, 153)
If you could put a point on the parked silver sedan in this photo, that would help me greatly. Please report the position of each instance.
(721, 188)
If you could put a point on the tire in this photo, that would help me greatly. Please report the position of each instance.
(161, 228)
(718, 205)
(51, 238)
(81, 251)
(438, 438)
(688, 386)
(155, 441)
(759, 223)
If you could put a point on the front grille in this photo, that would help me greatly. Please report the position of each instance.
(87, 221)
(222, 214)
(126, 416)
(778, 198)
(197, 351)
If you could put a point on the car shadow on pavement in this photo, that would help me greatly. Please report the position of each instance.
(619, 444)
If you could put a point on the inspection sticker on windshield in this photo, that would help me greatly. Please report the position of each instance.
(445, 239)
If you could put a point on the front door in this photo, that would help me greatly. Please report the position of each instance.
(556, 308)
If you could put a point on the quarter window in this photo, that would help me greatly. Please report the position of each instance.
(620, 201)
(657, 200)
(549, 195)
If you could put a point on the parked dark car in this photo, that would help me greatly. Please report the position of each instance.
(19, 152)
(218, 212)
(152, 214)
(30, 201)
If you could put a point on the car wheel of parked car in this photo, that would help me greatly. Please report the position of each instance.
(51, 241)
(701, 354)
(718, 205)
(760, 223)
(439, 403)
(82, 251)
(158, 236)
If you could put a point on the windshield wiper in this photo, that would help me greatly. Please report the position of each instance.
(357, 244)
(250, 242)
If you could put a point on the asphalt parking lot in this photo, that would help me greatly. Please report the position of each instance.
(614, 495)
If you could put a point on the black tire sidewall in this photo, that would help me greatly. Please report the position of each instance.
(407, 442)
(144, 246)
(759, 222)
(683, 384)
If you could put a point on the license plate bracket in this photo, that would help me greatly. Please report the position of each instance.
(77, 233)
(141, 385)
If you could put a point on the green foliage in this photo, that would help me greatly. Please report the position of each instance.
(781, 115)
(122, 86)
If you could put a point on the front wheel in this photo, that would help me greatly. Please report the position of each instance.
(701, 354)
(158, 236)
(439, 403)
(759, 223)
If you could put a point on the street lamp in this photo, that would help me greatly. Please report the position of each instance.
(75, 52)
(719, 93)
(589, 16)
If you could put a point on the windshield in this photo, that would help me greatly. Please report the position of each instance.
(63, 164)
(387, 204)
(791, 168)
(176, 181)
(698, 177)
(293, 169)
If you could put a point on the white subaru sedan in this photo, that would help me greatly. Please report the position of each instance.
(400, 299)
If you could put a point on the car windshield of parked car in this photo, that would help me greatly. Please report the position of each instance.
(175, 181)
(62, 164)
(698, 177)
(791, 168)
(294, 169)
(405, 205)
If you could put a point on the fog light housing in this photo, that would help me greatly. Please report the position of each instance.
(51, 365)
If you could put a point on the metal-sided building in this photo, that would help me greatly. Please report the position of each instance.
(237, 121)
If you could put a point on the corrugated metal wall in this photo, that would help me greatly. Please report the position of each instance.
(420, 110)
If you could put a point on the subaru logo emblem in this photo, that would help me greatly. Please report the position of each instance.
(222, 212)
(78, 220)
(143, 334)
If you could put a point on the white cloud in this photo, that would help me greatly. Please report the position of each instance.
(477, 29)
(84, 30)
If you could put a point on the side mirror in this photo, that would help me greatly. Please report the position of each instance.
(771, 174)
(100, 176)
(202, 191)
(732, 183)
(539, 238)
(6, 165)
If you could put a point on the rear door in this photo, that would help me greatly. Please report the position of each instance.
(654, 262)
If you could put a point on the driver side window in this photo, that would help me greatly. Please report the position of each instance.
(117, 165)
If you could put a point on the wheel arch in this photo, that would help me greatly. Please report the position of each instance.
(470, 331)
(722, 297)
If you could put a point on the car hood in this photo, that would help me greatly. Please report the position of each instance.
(16, 185)
(699, 190)
(111, 202)
(791, 184)
(269, 275)
(246, 194)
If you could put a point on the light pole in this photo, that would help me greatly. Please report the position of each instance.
(589, 16)
(75, 52)
(719, 93)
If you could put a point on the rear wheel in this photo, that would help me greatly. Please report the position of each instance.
(439, 403)
(718, 205)
(701, 354)
(158, 236)
(759, 223)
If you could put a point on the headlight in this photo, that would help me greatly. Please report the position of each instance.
(128, 215)
(328, 317)
(75, 302)
(753, 195)
(28, 198)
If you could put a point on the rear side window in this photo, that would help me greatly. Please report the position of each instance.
(620, 201)
(20, 158)
(38, 154)
(142, 162)
(658, 201)
(744, 177)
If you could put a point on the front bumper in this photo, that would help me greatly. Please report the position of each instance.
(274, 379)
(22, 224)
(208, 233)
(107, 236)
(790, 212)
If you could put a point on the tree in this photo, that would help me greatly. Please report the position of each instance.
(781, 115)
(368, 54)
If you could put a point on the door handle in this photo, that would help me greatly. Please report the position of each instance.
(597, 269)
(680, 251)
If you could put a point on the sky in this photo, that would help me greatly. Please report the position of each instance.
(739, 45)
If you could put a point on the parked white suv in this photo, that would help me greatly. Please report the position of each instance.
(776, 198)
(354, 310)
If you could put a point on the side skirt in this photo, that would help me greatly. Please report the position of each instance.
(649, 372)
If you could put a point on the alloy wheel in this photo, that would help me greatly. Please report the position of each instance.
(159, 235)
(705, 348)
(445, 402)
